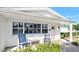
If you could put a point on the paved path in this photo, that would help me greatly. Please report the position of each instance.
(68, 47)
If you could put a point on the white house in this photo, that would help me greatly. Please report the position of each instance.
(34, 22)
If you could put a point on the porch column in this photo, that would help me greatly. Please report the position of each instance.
(57, 32)
(71, 38)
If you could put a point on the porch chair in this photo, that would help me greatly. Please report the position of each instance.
(23, 41)
(47, 38)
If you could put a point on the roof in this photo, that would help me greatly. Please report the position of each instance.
(23, 13)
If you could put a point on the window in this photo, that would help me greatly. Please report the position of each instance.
(17, 28)
(29, 28)
(44, 28)
(32, 28)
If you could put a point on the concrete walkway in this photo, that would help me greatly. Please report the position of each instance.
(68, 47)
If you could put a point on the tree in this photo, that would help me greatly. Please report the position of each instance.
(76, 28)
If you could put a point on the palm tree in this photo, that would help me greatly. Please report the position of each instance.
(76, 28)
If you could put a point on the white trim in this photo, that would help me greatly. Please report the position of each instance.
(23, 27)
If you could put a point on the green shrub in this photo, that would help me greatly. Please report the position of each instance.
(48, 47)
(76, 42)
(43, 48)
(63, 35)
(53, 47)
(26, 49)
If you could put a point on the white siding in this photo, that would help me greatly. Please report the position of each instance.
(2, 33)
(55, 33)
(14, 39)
(28, 36)
(7, 39)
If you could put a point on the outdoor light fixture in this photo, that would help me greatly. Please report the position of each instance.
(52, 28)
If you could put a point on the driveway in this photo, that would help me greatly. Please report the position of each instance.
(68, 47)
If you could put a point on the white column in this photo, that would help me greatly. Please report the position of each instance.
(71, 38)
(57, 32)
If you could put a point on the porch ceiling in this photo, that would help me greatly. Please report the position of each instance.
(19, 15)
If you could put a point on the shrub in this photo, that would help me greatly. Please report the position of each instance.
(53, 47)
(26, 49)
(63, 35)
(44, 48)
(76, 42)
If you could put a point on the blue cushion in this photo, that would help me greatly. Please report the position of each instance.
(22, 39)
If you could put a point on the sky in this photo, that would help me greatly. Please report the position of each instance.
(72, 13)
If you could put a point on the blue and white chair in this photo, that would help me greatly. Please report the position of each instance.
(22, 40)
